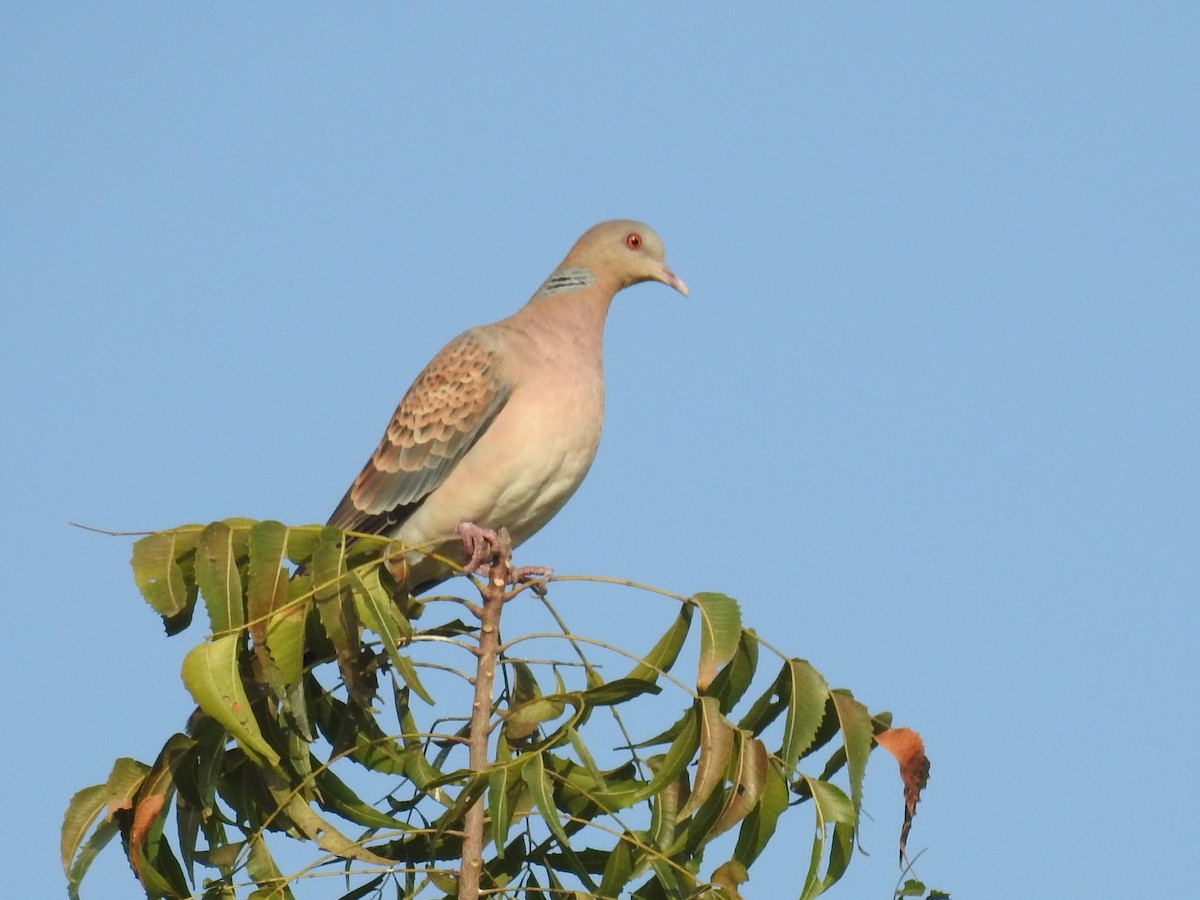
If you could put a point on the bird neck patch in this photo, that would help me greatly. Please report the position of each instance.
(566, 280)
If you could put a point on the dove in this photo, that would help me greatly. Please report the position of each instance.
(500, 428)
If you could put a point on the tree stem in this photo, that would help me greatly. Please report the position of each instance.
(499, 576)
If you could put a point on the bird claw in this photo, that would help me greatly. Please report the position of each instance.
(486, 546)
(480, 545)
(535, 576)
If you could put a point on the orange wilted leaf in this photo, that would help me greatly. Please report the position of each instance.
(908, 748)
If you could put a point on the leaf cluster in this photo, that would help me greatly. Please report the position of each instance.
(314, 646)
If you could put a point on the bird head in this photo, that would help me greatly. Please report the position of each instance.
(625, 251)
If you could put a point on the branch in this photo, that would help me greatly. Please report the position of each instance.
(500, 574)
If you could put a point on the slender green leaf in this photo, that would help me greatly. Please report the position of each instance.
(501, 780)
(262, 868)
(105, 832)
(218, 577)
(619, 867)
(612, 693)
(371, 887)
(807, 694)
(266, 579)
(335, 608)
(720, 631)
(283, 639)
(681, 752)
(82, 812)
(210, 673)
(664, 809)
(314, 827)
(335, 796)
(379, 613)
(77, 849)
(858, 736)
(533, 773)
(734, 679)
(664, 653)
(769, 704)
(835, 823)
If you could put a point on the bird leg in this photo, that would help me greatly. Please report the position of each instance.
(481, 546)
(486, 546)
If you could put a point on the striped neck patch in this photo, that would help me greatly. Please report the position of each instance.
(574, 279)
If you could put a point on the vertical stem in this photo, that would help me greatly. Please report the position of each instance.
(481, 714)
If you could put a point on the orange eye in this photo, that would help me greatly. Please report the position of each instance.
(633, 240)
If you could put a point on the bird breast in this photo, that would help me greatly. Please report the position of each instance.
(529, 461)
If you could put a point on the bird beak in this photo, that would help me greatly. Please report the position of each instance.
(669, 277)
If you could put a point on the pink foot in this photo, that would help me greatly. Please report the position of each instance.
(480, 544)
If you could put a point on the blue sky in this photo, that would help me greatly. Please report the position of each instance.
(930, 412)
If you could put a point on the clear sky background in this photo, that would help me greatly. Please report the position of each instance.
(931, 412)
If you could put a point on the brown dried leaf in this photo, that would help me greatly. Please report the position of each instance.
(908, 748)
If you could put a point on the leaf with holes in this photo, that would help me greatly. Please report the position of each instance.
(210, 673)
(163, 570)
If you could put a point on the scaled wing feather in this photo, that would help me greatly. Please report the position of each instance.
(444, 413)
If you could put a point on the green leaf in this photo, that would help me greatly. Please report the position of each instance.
(210, 673)
(522, 721)
(218, 578)
(124, 781)
(77, 849)
(858, 734)
(314, 827)
(104, 833)
(266, 579)
(262, 868)
(835, 820)
(716, 743)
(335, 607)
(533, 773)
(352, 730)
(619, 868)
(807, 694)
(768, 706)
(159, 562)
(283, 639)
(82, 812)
(734, 679)
(501, 781)
(335, 796)
(720, 631)
(612, 693)
(371, 887)
(380, 614)
(682, 749)
(664, 654)
(730, 875)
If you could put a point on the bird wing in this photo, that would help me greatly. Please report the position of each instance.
(447, 409)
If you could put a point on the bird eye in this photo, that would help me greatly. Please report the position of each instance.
(633, 240)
